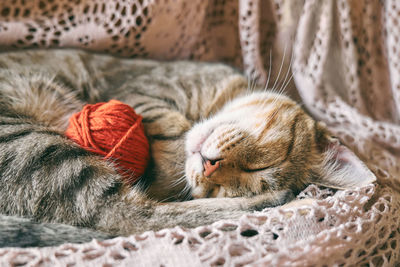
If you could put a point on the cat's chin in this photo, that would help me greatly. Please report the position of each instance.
(193, 170)
(210, 192)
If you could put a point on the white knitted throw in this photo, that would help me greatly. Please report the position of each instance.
(345, 58)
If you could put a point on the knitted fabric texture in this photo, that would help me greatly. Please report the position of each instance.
(346, 71)
(115, 131)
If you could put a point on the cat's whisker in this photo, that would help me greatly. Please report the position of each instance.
(248, 84)
(274, 90)
(182, 174)
(186, 193)
(287, 83)
(253, 81)
(269, 71)
(177, 181)
(167, 198)
(256, 83)
(180, 180)
(281, 90)
(181, 171)
(178, 195)
(248, 77)
(280, 68)
(183, 195)
(284, 84)
(187, 189)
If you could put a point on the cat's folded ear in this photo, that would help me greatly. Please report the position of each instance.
(340, 168)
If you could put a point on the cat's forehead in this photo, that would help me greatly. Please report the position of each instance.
(260, 101)
(257, 109)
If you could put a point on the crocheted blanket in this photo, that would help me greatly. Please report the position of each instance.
(344, 57)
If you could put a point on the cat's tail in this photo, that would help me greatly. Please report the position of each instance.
(23, 232)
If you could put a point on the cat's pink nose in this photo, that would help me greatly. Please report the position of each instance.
(210, 167)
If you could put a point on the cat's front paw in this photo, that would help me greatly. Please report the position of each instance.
(267, 200)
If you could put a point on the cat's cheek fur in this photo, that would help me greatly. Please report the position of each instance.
(193, 168)
(195, 178)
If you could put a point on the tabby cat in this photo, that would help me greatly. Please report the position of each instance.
(211, 136)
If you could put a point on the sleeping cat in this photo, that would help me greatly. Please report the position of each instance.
(210, 136)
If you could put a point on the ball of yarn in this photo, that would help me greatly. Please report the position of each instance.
(115, 131)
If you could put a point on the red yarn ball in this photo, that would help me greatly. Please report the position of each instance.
(115, 131)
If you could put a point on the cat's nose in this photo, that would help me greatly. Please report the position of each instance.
(210, 166)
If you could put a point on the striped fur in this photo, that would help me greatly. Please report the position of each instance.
(269, 147)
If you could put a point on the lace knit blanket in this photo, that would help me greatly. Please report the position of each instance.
(341, 58)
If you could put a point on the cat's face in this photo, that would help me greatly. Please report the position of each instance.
(261, 143)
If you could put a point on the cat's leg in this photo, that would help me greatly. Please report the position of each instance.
(136, 214)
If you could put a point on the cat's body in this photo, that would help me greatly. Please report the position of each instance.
(260, 148)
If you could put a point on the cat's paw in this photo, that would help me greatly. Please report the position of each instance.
(266, 200)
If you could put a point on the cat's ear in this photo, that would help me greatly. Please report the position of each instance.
(340, 168)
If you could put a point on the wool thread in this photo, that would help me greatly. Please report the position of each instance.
(116, 132)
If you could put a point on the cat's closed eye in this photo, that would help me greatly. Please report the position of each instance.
(255, 169)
